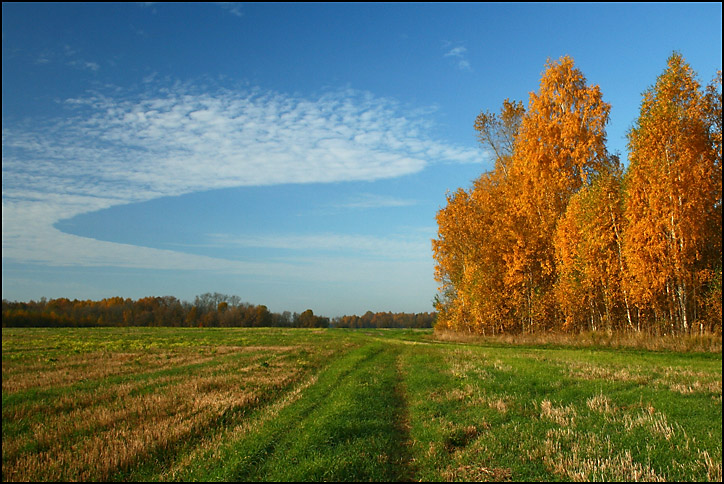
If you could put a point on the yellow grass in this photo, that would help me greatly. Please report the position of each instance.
(563, 416)
(706, 343)
(93, 434)
(585, 457)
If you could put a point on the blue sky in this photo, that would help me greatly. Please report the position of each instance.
(292, 154)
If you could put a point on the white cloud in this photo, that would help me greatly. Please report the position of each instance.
(464, 65)
(43, 58)
(372, 200)
(365, 246)
(459, 53)
(68, 56)
(233, 8)
(176, 140)
(456, 52)
(29, 236)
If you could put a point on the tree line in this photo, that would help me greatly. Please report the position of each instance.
(560, 236)
(207, 310)
(386, 320)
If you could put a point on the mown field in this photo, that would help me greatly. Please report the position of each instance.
(363, 405)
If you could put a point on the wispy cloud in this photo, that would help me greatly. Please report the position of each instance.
(176, 139)
(68, 56)
(373, 200)
(87, 65)
(179, 141)
(393, 247)
(233, 8)
(459, 54)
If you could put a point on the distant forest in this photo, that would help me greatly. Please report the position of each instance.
(208, 310)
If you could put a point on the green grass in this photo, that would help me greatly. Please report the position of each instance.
(344, 429)
(361, 405)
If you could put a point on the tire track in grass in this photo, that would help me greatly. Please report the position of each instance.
(347, 426)
(403, 424)
(208, 447)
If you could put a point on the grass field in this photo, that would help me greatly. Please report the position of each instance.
(363, 405)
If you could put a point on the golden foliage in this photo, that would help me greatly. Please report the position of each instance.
(673, 203)
(558, 237)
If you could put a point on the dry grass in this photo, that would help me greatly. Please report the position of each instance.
(601, 404)
(683, 381)
(209, 445)
(563, 416)
(707, 343)
(713, 468)
(581, 455)
(64, 370)
(649, 419)
(476, 473)
(118, 436)
(69, 370)
(95, 433)
(471, 396)
(463, 363)
(686, 381)
(586, 371)
(585, 457)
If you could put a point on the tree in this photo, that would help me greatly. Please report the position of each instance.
(560, 145)
(451, 251)
(713, 304)
(262, 316)
(673, 202)
(495, 253)
(589, 256)
(308, 320)
(469, 245)
(498, 132)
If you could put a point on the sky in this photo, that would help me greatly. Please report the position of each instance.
(292, 154)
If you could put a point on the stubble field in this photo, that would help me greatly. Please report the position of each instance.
(363, 405)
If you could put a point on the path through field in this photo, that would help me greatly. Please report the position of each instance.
(349, 425)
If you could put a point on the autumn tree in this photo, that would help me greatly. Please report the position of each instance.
(589, 256)
(560, 145)
(468, 252)
(470, 236)
(490, 198)
(485, 279)
(498, 132)
(673, 202)
(713, 298)
(495, 253)
(558, 236)
(451, 251)
(308, 320)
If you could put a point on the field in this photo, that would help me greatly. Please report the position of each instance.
(364, 405)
